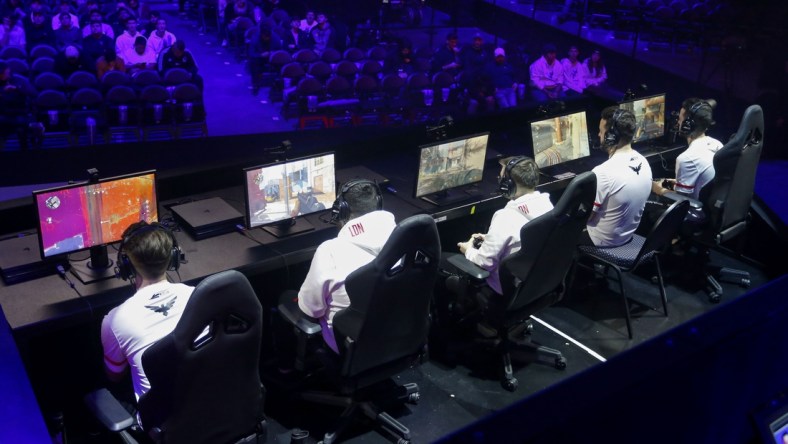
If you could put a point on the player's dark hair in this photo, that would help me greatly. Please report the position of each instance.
(625, 124)
(361, 199)
(526, 174)
(150, 250)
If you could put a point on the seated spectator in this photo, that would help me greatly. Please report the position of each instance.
(295, 38)
(401, 61)
(140, 57)
(38, 31)
(13, 8)
(64, 8)
(502, 76)
(106, 29)
(128, 38)
(260, 49)
(160, 39)
(86, 11)
(96, 44)
(138, 10)
(12, 33)
(447, 58)
(39, 6)
(596, 78)
(547, 76)
(574, 73)
(70, 61)
(233, 15)
(322, 35)
(177, 56)
(109, 62)
(118, 20)
(474, 58)
(481, 94)
(151, 23)
(16, 92)
(67, 34)
(308, 22)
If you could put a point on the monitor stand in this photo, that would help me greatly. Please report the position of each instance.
(289, 227)
(97, 268)
(557, 172)
(444, 198)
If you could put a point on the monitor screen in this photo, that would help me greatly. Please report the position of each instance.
(451, 164)
(560, 139)
(284, 190)
(81, 216)
(649, 117)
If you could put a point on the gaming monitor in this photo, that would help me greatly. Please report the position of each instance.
(560, 139)
(92, 215)
(279, 192)
(450, 164)
(649, 117)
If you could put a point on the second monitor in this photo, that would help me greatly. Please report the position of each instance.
(560, 139)
(649, 117)
(447, 166)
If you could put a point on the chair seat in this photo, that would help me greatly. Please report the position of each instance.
(623, 256)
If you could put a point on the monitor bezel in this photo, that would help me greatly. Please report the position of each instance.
(422, 147)
(284, 162)
(664, 115)
(36, 193)
(555, 116)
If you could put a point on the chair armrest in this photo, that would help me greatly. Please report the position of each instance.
(679, 197)
(467, 267)
(108, 410)
(297, 318)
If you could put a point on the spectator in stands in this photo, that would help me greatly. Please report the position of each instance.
(161, 39)
(12, 33)
(269, 6)
(447, 58)
(574, 73)
(65, 8)
(401, 61)
(596, 79)
(234, 13)
(39, 6)
(695, 166)
(474, 58)
(70, 61)
(118, 20)
(151, 23)
(85, 12)
(109, 62)
(106, 29)
(96, 44)
(128, 38)
(321, 35)
(138, 10)
(260, 49)
(38, 31)
(140, 57)
(481, 94)
(308, 22)
(502, 77)
(547, 76)
(177, 56)
(295, 38)
(623, 183)
(13, 8)
(16, 92)
(359, 241)
(67, 34)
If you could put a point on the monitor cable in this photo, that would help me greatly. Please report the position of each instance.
(241, 229)
(63, 275)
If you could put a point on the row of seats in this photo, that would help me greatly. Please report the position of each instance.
(84, 79)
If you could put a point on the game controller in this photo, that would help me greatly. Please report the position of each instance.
(477, 242)
(666, 183)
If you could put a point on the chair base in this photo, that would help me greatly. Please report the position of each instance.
(545, 355)
(728, 275)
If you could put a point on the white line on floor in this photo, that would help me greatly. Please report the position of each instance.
(570, 339)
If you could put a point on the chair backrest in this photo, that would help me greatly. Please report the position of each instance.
(331, 55)
(82, 79)
(146, 77)
(187, 92)
(320, 70)
(42, 64)
(548, 245)
(86, 98)
(154, 94)
(49, 80)
(309, 86)
(18, 66)
(665, 229)
(371, 68)
(338, 86)
(204, 376)
(51, 99)
(280, 58)
(418, 80)
(346, 68)
(365, 85)
(377, 53)
(305, 56)
(115, 78)
(353, 54)
(13, 52)
(388, 317)
(121, 94)
(176, 76)
(42, 51)
(293, 70)
(727, 199)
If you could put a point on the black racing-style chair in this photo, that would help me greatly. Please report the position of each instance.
(384, 330)
(534, 277)
(204, 376)
(723, 211)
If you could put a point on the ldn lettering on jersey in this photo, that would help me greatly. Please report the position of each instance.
(356, 229)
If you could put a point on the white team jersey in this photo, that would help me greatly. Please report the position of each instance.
(695, 166)
(133, 326)
(623, 184)
(323, 292)
(503, 236)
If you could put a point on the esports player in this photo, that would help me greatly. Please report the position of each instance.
(623, 183)
(694, 167)
(146, 253)
(365, 229)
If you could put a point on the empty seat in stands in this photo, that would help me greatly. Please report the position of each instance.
(81, 79)
(156, 113)
(50, 108)
(176, 76)
(115, 78)
(87, 122)
(189, 112)
(18, 66)
(49, 80)
(42, 64)
(331, 56)
(305, 57)
(353, 54)
(42, 51)
(145, 78)
(320, 70)
(123, 114)
(13, 52)
(377, 53)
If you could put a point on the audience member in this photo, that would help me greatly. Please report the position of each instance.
(12, 33)
(295, 38)
(177, 56)
(502, 77)
(106, 29)
(38, 31)
(39, 6)
(67, 34)
(474, 58)
(447, 58)
(13, 8)
(140, 57)
(118, 20)
(138, 10)
(70, 61)
(481, 94)
(16, 92)
(400, 61)
(695, 166)
(260, 49)
(308, 22)
(596, 79)
(363, 234)
(574, 73)
(547, 76)
(151, 23)
(96, 44)
(140, 321)
(623, 183)
(321, 35)
(233, 15)
(160, 39)
(57, 18)
(109, 62)
(128, 38)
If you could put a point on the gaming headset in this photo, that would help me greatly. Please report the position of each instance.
(340, 211)
(689, 126)
(125, 269)
(612, 135)
(506, 185)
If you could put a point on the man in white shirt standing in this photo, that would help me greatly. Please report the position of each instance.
(547, 76)
(623, 183)
(365, 229)
(574, 72)
(695, 166)
(146, 253)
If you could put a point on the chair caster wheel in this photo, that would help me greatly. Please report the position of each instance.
(403, 441)
(560, 363)
(509, 384)
(413, 398)
(715, 297)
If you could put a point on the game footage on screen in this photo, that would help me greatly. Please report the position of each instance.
(560, 139)
(451, 164)
(649, 115)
